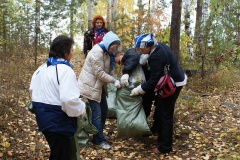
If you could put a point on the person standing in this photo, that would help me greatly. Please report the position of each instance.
(55, 98)
(95, 34)
(159, 55)
(96, 73)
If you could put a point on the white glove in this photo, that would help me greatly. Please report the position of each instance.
(124, 80)
(134, 92)
(117, 84)
(143, 59)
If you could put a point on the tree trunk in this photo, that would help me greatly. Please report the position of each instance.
(114, 14)
(4, 27)
(37, 29)
(109, 4)
(175, 27)
(187, 28)
(198, 20)
(90, 13)
(139, 21)
(72, 8)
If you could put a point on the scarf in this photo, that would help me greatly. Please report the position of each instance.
(99, 31)
(111, 55)
(54, 61)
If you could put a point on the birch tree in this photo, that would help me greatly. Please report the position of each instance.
(188, 29)
(90, 13)
(114, 14)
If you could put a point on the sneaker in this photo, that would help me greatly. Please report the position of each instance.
(104, 145)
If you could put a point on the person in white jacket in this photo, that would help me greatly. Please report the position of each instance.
(55, 98)
(96, 73)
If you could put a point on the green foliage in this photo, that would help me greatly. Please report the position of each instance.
(219, 40)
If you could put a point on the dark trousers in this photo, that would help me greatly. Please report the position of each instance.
(148, 99)
(59, 144)
(163, 118)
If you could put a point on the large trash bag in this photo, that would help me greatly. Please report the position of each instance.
(111, 100)
(137, 77)
(131, 119)
(85, 127)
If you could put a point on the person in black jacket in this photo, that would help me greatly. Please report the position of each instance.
(159, 55)
(130, 60)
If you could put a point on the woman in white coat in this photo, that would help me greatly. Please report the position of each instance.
(93, 79)
(55, 98)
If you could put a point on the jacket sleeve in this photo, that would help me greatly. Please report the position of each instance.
(87, 42)
(130, 60)
(69, 93)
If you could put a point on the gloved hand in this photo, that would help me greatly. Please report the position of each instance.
(143, 59)
(124, 80)
(117, 84)
(136, 91)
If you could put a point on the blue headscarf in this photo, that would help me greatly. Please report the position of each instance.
(144, 41)
(105, 43)
(111, 55)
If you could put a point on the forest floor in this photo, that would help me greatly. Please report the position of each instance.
(206, 121)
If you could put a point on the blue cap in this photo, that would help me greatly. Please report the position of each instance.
(144, 41)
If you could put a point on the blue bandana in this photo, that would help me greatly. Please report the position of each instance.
(111, 55)
(99, 31)
(54, 61)
(144, 41)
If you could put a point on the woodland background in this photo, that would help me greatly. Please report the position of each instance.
(204, 35)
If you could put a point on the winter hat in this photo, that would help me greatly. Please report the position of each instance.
(144, 41)
(108, 38)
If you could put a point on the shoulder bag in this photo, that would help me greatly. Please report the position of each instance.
(166, 85)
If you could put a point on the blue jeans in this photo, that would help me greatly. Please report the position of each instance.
(99, 114)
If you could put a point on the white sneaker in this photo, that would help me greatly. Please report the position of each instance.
(104, 145)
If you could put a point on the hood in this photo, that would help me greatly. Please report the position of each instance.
(108, 39)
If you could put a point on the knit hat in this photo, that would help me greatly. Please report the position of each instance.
(108, 38)
(144, 41)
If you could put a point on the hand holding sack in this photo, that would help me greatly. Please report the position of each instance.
(136, 91)
(117, 84)
(124, 80)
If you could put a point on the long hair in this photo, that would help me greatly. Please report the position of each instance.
(61, 45)
(95, 20)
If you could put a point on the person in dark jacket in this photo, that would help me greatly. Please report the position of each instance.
(95, 34)
(159, 55)
(130, 60)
